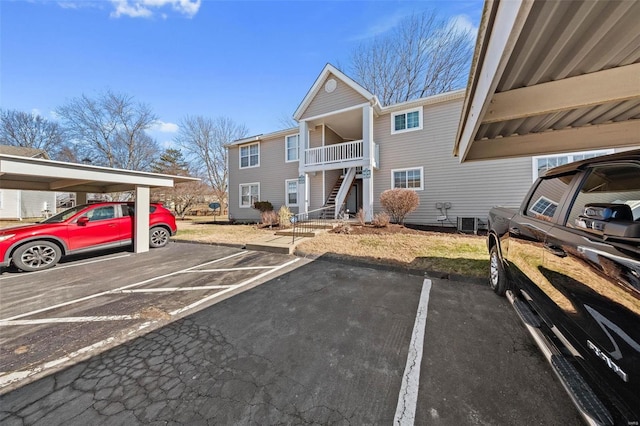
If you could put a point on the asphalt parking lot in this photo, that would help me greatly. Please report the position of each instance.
(318, 342)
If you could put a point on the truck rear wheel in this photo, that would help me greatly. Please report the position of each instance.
(497, 277)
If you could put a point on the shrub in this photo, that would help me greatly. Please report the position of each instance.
(284, 215)
(269, 218)
(399, 202)
(380, 220)
(360, 217)
(263, 206)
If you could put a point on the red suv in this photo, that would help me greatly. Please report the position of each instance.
(82, 228)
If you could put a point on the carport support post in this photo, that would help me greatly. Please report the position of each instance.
(141, 227)
(81, 198)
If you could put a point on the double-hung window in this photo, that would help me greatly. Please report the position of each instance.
(250, 155)
(291, 148)
(291, 189)
(406, 121)
(249, 194)
(407, 178)
(542, 164)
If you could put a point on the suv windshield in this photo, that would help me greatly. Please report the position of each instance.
(61, 217)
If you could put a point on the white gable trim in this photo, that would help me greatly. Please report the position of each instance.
(330, 69)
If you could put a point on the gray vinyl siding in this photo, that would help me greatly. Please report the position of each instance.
(9, 204)
(271, 175)
(15, 204)
(342, 97)
(331, 137)
(33, 203)
(315, 137)
(315, 191)
(471, 188)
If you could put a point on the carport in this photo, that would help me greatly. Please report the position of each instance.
(37, 174)
(551, 77)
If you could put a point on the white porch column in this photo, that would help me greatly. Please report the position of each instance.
(141, 224)
(367, 176)
(303, 184)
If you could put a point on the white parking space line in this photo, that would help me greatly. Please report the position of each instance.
(7, 378)
(70, 319)
(138, 284)
(242, 284)
(58, 267)
(244, 268)
(174, 289)
(408, 398)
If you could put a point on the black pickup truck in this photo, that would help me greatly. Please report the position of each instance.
(568, 260)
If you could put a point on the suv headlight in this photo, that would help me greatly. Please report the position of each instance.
(6, 237)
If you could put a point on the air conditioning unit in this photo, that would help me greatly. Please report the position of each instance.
(468, 224)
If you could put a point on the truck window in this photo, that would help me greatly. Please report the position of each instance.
(546, 197)
(617, 185)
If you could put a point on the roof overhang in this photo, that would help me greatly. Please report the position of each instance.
(550, 77)
(45, 175)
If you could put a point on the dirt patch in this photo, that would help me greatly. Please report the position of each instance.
(357, 229)
(154, 313)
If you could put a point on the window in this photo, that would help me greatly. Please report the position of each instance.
(250, 155)
(407, 178)
(291, 189)
(249, 194)
(542, 164)
(406, 121)
(544, 206)
(101, 213)
(291, 148)
(546, 197)
(613, 186)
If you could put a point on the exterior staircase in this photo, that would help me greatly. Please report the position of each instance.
(331, 199)
(339, 193)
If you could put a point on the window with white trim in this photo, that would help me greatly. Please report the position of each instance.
(406, 121)
(250, 155)
(407, 178)
(544, 207)
(542, 164)
(249, 194)
(291, 192)
(291, 148)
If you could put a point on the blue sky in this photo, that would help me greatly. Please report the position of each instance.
(252, 61)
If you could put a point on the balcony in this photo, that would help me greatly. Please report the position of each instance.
(336, 156)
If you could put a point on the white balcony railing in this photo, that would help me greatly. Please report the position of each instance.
(340, 152)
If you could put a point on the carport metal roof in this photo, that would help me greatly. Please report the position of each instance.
(550, 77)
(46, 175)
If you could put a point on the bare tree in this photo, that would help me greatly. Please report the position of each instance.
(203, 140)
(110, 130)
(26, 130)
(183, 196)
(425, 55)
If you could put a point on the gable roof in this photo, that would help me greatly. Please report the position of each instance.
(21, 151)
(330, 69)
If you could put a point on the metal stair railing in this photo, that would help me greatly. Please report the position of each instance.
(310, 221)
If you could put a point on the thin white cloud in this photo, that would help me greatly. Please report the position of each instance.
(463, 23)
(147, 8)
(161, 126)
(382, 26)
